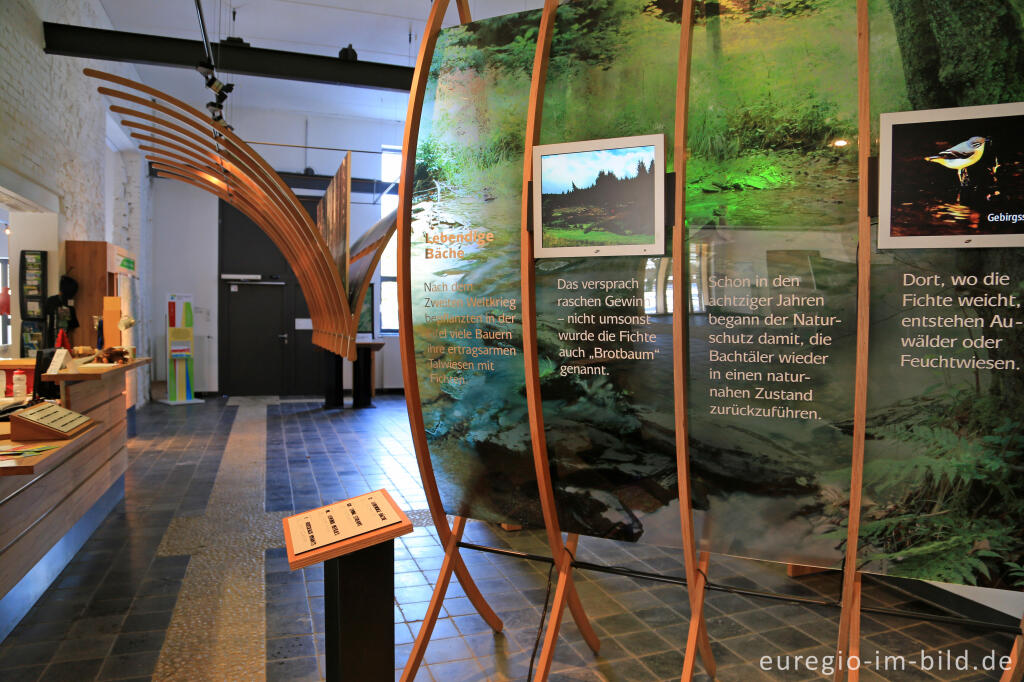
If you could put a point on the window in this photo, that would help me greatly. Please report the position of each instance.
(390, 169)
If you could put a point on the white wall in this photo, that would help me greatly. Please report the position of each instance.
(184, 255)
(54, 121)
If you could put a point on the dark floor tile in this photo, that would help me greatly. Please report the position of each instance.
(135, 642)
(84, 648)
(72, 671)
(107, 607)
(790, 639)
(138, 622)
(25, 655)
(129, 665)
(620, 624)
(288, 591)
(665, 664)
(30, 632)
(152, 604)
(26, 674)
(293, 620)
(642, 643)
(724, 627)
(293, 670)
(290, 647)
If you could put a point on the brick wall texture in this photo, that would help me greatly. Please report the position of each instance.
(52, 131)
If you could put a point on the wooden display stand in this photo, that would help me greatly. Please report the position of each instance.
(563, 552)
(695, 563)
(43, 496)
(359, 597)
(449, 536)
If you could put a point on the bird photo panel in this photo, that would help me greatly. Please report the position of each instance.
(952, 178)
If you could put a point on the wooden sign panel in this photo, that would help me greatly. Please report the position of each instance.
(47, 421)
(342, 528)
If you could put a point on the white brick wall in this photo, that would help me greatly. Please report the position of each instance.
(52, 131)
(132, 230)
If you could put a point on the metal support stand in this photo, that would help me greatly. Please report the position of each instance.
(359, 599)
(362, 378)
(334, 387)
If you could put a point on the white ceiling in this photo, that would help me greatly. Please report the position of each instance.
(380, 31)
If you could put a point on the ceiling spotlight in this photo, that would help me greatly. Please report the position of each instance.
(7, 230)
(348, 54)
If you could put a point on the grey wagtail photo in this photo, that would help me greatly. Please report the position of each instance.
(952, 178)
(959, 157)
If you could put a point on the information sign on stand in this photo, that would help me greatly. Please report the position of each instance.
(354, 539)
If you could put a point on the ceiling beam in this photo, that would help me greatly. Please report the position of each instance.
(139, 48)
(320, 182)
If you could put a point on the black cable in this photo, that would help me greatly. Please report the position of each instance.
(540, 628)
(744, 592)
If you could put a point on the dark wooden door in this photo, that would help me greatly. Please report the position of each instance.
(255, 317)
(257, 343)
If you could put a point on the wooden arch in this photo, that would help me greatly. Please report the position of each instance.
(184, 144)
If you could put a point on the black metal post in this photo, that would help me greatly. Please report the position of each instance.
(359, 598)
(362, 378)
(334, 387)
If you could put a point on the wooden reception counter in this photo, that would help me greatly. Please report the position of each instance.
(45, 497)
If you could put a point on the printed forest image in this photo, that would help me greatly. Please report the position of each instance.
(771, 186)
(598, 198)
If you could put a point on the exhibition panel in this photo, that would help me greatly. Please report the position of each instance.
(771, 210)
(465, 257)
(682, 286)
(942, 485)
(604, 337)
(773, 288)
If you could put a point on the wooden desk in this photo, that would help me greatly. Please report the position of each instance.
(44, 496)
(44, 461)
(90, 385)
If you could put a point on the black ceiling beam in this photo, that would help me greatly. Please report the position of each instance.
(139, 48)
(320, 182)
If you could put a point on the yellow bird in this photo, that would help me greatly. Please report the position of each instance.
(961, 156)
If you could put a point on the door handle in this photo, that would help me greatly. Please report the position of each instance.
(283, 337)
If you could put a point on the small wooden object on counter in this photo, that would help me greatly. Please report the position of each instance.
(111, 316)
(47, 421)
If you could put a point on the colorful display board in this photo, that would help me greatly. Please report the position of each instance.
(604, 337)
(771, 212)
(180, 351)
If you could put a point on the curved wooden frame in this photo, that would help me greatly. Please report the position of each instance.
(449, 536)
(694, 565)
(185, 145)
(563, 553)
(849, 619)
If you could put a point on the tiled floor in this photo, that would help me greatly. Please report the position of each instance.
(115, 613)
